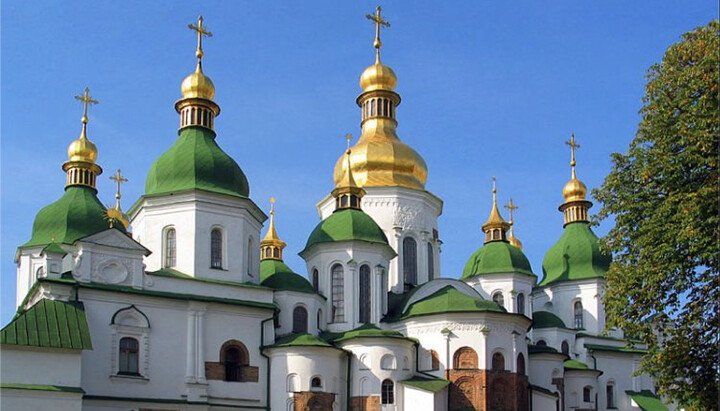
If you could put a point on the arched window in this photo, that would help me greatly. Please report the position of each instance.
(233, 355)
(316, 383)
(430, 261)
(434, 360)
(300, 320)
(587, 393)
(498, 298)
(129, 349)
(170, 248)
(465, 358)
(387, 362)
(316, 279)
(365, 293)
(521, 303)
(610, 395)
(388, 392)
(498, 362)
(565, 348)
(216, 248)
(541, 343)
(578, 310)
(521, 364)
(338, 294)
(410, 261)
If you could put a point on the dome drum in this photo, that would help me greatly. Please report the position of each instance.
(378, 104)
(196, 111)
(575, 211)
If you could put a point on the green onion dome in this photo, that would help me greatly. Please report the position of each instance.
(544, 319)
(77, 214)
(576, 256)
(196, 162)
(346, 224)
(277, 275)
(497, 257)
(448, 300)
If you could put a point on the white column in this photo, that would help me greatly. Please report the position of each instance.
(190, 354)
(513, 360)
(200, 352)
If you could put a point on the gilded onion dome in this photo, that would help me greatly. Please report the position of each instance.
(495, 228)
(198, 85)
(196, 161)
(271, 247)
(379, 158)
(577, 254)
(78, 213)
(511, 235)
(576, 206)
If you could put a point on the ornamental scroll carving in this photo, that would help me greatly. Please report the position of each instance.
(408, 218)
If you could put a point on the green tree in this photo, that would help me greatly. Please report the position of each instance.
(663, 285)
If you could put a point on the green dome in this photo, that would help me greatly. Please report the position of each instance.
(77, 214)
(364, 331)
(448, 300)
(576, 256)
(196, 162)
(346, 225)
(277, 275)
(544, 319)
(497, 257)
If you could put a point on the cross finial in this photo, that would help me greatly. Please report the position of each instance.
(379, 21)
(272, 205)
(87, 101)
(201, 31)
(118, 178)
(573, 145)
(512, 207)
(348, 137)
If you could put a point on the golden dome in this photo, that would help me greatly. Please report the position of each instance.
(514, 241)
(116, 214)
(378, 77)
(198, 85)
(82, 149)
(380, 159)
(574, 190)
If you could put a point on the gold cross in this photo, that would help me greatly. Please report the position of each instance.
(200, 30)
(379, 21)
(272, 205)
(573, 145)
(118, 179)
(87, 100)
(348, 137)
(512, 207)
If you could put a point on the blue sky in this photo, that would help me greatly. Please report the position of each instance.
(488, 88)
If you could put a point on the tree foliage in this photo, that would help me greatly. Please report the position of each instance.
(663, 285)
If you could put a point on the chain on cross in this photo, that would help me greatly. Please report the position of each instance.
(201, 31)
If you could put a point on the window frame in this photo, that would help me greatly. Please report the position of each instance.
(169, 247)
(387, 392)
(217, 262)
(364, 294)
(410, 261)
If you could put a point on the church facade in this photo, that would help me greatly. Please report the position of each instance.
(182, 303)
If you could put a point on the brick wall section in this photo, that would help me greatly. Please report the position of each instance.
(484, 390)
(216, 371)
(315, 401)
(368, 403)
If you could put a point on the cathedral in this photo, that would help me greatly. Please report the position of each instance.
(184, 301)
